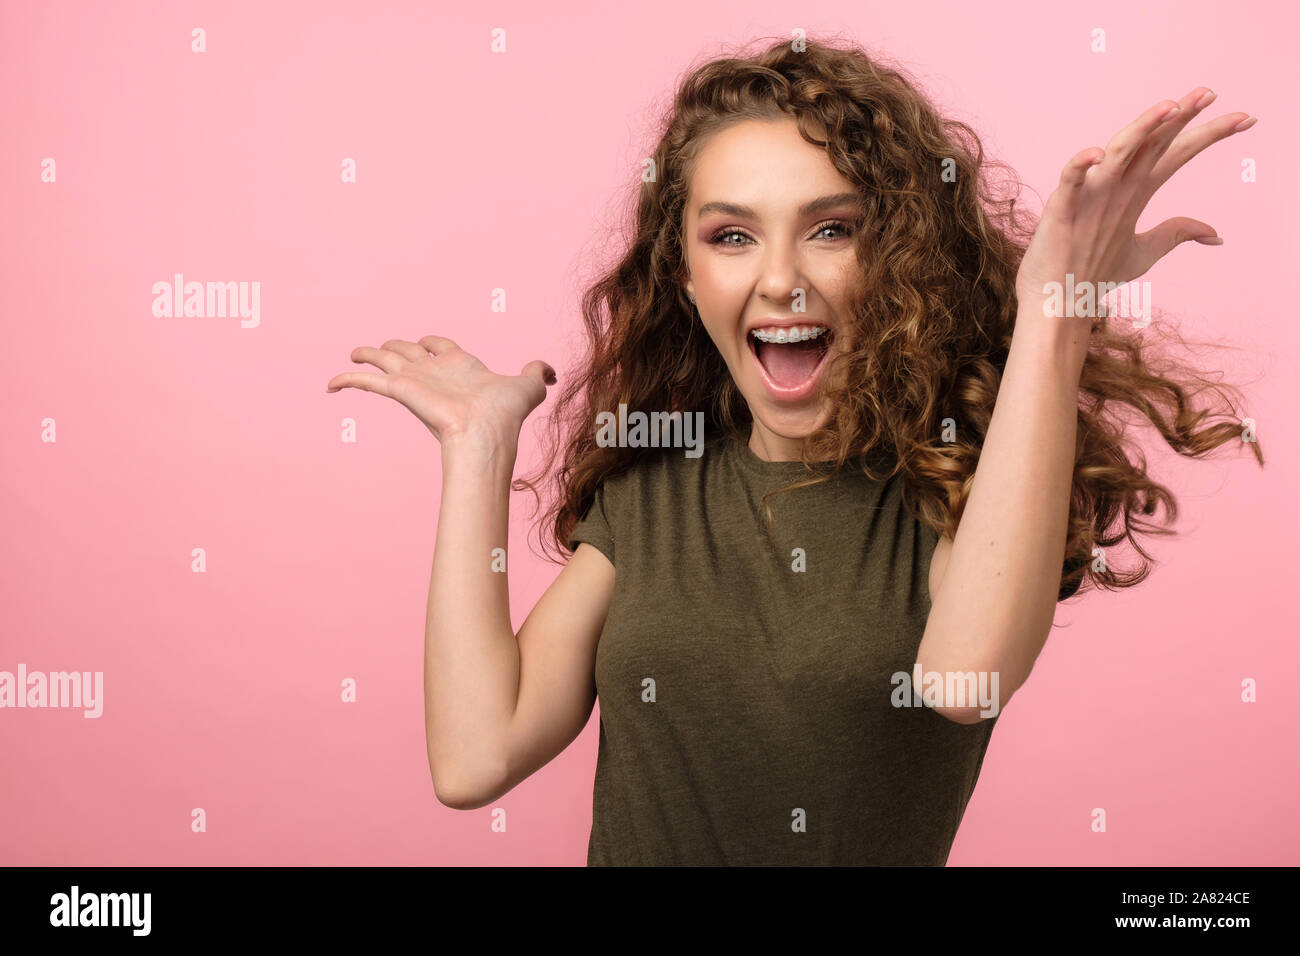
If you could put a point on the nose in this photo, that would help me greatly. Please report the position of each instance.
(781, 277)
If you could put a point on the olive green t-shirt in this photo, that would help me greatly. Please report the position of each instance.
(745, 690)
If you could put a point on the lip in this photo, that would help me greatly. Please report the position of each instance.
(792, 394)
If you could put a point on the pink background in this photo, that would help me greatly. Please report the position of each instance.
(475, 171)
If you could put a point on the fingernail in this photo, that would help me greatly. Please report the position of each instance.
(1206, 100)
(1245, 124)
(1210, 240)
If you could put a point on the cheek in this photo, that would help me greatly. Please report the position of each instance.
(725, 339)
(718, 288)
(723, 336)
(721, 275)
(840, 281)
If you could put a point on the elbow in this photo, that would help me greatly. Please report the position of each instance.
(963, 715)
(962, 695)
(459, 793)
(457, 788)
(982, 709)
(458, 799)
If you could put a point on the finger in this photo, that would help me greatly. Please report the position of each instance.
(1192, 142)
(436, 344)
(366, 381)
(388, 361)
(1065, 199)
(1155, 244)
(1158, 142)
(539, 369)
(407, 350)
(1125, 144)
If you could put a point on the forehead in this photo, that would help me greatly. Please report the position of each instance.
(762, 163)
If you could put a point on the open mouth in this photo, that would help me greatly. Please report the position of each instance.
(790, 360)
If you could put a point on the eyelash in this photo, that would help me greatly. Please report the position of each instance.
(717, 237)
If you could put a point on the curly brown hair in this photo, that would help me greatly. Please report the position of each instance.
(935, 305)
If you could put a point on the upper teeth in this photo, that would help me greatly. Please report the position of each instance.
(795, 333)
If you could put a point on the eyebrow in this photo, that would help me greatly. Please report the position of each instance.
(820, 204)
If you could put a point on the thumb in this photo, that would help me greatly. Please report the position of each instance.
(539, 369)
(1157, 242)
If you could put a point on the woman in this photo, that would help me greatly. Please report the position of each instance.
(823, 275)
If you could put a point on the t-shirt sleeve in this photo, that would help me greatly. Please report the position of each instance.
(596, 527)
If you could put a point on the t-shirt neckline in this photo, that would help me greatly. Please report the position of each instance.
(759, 466)
(751, 463)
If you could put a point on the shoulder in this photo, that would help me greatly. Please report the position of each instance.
(632, 483)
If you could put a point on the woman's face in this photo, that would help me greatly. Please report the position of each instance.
(770, 253)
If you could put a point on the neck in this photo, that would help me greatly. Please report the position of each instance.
(770, 446)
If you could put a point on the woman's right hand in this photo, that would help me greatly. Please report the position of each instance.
(448, 389)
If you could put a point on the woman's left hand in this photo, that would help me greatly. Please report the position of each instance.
(1087, 226)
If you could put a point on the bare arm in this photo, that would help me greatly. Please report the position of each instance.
(471, 658)
(497, 706)
(993, 607)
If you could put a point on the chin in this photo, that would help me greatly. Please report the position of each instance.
(790, 424)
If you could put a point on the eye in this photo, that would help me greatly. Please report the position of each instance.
(844, 227)
(725, 237)
(719, 238)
